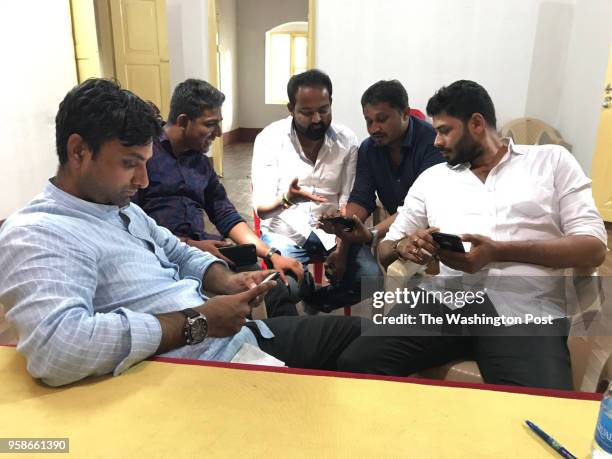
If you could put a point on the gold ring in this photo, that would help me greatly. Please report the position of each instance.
(415, 251)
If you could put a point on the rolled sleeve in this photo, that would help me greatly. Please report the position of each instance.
(578, 213)
(145, 335)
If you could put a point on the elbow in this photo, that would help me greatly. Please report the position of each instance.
(57, 363)
(594, 257)
(53, 370)
(599, 256)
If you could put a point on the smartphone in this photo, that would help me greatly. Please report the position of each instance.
(449, 242)
(240, 255)
(275, 275)
(341, 220)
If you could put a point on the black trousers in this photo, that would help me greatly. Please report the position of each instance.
(313, 342)
(525, 356)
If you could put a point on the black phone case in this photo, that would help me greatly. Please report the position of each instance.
(241, 255)
(348, 222)
(449, 242)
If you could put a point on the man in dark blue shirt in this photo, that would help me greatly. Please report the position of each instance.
(399, 148)
(183, 185)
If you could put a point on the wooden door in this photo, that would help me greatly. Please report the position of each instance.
(602, 161)
(140, 39)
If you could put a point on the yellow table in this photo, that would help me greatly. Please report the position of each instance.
(161, 409)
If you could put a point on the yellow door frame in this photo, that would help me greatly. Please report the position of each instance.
(213, 77)
(312, 16)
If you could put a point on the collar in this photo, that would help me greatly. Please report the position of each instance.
(102, 211)
(164, 142)
(513, 149)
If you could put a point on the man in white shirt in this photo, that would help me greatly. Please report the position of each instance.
(527, 213)
(304, 167)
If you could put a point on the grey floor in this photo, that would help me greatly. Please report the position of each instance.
(237, 181)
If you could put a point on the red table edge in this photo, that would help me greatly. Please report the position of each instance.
(403, 379)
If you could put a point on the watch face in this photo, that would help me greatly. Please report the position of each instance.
(199, 330)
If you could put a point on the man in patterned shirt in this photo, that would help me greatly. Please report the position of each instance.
(93, 286)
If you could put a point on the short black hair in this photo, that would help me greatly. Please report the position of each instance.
(192, 97)
(391, 92)
(99, 110)
(461, 100)
(309, 79)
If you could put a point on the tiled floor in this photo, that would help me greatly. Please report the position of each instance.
(237, 180)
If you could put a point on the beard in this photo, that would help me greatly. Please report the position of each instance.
(313, 131)
(466, 150)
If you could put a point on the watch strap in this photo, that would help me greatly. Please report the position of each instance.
(190, 313)
(268, 257)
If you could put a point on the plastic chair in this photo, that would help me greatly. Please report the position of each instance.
(532, 131)
(317, 265)
(591, 355)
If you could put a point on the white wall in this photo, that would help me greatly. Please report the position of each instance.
(549, 60)
(40, 70)
(228, 49)
(429, 44)
(187, 40)
(255, 17)
(581, 99)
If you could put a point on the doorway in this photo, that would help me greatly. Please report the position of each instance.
(126, 40)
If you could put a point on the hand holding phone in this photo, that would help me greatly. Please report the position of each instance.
(449, 242)
(240, 255)
(347, 222)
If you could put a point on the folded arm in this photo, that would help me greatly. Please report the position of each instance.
(48, 287)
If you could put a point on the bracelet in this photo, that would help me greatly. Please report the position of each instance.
(396, 248)
(374, 233)
(286, 202)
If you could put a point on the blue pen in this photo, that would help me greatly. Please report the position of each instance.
(550, 441)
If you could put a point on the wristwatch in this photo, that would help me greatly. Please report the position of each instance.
(268, 257)
(196, 326)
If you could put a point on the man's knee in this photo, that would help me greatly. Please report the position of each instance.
(355, 358)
